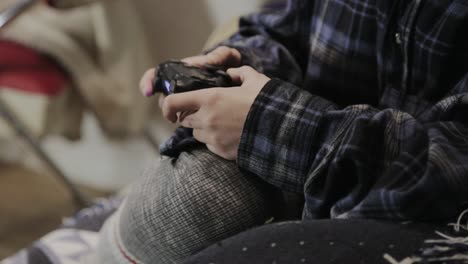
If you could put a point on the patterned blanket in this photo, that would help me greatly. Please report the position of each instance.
(74, 242)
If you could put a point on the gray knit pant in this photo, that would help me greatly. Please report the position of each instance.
(181, 206)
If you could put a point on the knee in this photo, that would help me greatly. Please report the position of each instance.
(180, 207)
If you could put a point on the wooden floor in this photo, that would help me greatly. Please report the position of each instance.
(31, 205)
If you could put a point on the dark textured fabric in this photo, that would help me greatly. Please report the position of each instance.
(319, 241)
(369, 116)
(181, 140)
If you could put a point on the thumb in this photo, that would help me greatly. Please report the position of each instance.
(198, 61)
(242, 74)
(181, 102)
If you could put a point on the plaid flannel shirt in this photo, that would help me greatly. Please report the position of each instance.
(368, 112)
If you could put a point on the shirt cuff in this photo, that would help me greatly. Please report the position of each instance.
(277, 142)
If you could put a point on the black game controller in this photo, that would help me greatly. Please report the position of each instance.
(178, 77)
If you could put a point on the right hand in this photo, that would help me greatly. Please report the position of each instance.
(221, 56)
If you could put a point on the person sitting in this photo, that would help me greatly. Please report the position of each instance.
(358, 106)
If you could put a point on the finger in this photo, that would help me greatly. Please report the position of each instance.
(191, 120)
(240, 75)
(221, 56)
(213, 58)
(146, 82)
(161, 100)
(183, 115)
(200, 135)
(183, 102)
(218, 56)
(224, 56)
(198, 61)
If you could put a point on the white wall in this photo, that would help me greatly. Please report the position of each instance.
(222, 11)
(180, 28)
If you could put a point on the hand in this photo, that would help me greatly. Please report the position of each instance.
(221, 56)
(218, 114)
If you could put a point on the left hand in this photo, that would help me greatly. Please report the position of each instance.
(218, 114)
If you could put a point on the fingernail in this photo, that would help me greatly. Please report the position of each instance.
(149, 93)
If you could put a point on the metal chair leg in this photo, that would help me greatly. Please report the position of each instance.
(13, 121)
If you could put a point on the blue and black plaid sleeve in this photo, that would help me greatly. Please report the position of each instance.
(377, 126)
(272, 41)
(367, 116)
(359, 161)
(279, 134)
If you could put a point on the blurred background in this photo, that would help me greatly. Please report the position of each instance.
(70, 105)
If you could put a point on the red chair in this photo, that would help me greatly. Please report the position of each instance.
(25, 70)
